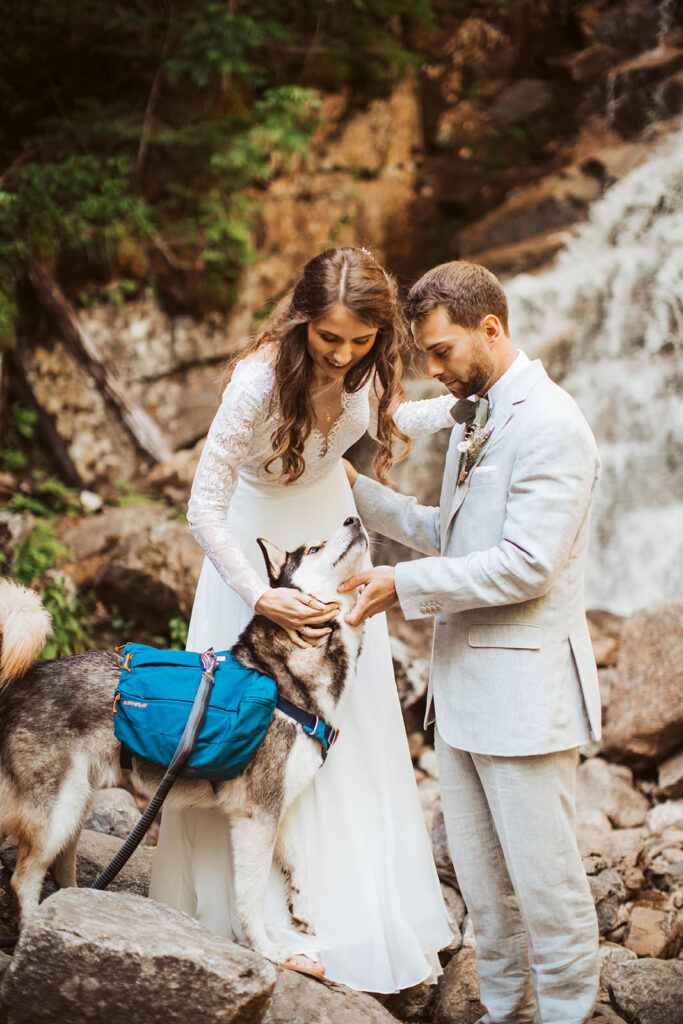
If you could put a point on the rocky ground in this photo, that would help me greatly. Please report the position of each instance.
(115, 952)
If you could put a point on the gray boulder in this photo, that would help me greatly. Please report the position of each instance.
(649, 991)
(609, 893)
(604, 1014)
(523, 100)
(139, 557)
(98, 957)
(457, 1001)
(670, 775)
(95, 850)
(611, 955)
(114, 812)
(609, 788)
(301, 1000)
(645, 721)
(152, 574)
(412, 1005)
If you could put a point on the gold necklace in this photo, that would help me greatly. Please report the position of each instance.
(322, 389)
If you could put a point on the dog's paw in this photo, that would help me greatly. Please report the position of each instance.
(273, 952)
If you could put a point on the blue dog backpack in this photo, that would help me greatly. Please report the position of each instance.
(154, 698)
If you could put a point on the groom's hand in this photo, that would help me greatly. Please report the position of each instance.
(351, 473)
(377, 593)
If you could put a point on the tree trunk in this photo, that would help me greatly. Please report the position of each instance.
(146, 435)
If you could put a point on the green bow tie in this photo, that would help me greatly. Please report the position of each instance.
(468, 412)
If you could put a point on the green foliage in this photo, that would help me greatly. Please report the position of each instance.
(38, 552)
(177, 633)
(217, 42)
(81, 202)
(13, 460)
(119, 621)
(23, 420)
(47, 498)
(127, 496)
(20, 429)
(175, 638)
(155, 124)
(68, 613)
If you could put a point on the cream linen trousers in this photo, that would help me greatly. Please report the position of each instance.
(511, 826)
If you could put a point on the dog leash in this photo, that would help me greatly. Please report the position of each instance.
(182, 755)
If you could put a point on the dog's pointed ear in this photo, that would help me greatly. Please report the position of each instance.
(274, 559)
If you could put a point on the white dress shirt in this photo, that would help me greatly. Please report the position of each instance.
(496, 390)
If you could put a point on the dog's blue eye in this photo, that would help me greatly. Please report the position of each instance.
(312, 551)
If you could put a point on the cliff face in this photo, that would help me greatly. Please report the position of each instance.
(509, 134)
(516, 121)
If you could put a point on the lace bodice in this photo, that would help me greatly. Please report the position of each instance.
(239, 444)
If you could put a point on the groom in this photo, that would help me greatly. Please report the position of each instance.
(513, 681)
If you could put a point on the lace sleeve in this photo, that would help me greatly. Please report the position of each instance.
(415, 418)
(245, 402)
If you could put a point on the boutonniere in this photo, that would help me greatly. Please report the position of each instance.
(470, 448)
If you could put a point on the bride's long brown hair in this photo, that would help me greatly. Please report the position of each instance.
(355, 279)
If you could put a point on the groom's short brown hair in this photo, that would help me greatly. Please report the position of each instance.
(467, 290)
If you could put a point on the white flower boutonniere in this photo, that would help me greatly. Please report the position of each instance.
(470, 447)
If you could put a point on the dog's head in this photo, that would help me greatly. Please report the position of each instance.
(318, 568)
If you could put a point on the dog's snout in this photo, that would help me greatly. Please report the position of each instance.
(352, 521)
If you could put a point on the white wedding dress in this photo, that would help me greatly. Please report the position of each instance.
(357, 831)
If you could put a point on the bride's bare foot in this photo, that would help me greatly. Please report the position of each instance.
(304, 963)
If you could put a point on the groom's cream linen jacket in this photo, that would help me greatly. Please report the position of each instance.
(512, 671)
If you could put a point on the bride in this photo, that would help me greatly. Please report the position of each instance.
(325, 368)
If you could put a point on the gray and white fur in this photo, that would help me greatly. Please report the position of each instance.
(57, 744)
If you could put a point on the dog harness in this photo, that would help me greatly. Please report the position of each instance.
(311, 724)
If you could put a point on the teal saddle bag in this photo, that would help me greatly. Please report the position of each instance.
(155, 695)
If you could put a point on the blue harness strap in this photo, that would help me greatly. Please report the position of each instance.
(311, 724)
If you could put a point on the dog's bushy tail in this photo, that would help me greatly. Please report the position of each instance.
(24, 625)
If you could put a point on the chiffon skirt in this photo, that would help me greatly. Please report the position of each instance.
(357, 831)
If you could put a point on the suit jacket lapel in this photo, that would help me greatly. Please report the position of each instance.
(501, 417)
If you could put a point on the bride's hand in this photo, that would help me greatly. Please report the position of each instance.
(351, 473)
(302, 616)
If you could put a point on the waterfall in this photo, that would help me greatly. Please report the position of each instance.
(607, 319)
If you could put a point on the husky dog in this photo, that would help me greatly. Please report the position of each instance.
(57, 744)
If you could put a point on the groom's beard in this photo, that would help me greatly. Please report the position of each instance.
(475, 380)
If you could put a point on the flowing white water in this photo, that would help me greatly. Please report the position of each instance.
(613, 300)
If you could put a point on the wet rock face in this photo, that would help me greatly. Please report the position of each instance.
(629, 27)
